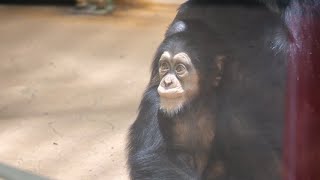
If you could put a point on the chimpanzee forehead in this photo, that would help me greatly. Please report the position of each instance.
(176, 58)
(179, 44)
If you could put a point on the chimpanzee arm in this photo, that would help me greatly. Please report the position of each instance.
(148, 158)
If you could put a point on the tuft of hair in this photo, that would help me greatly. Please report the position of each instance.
(172, 112)
(279, 42)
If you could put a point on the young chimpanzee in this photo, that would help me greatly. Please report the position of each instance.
(189, 125)
(185, 131)
(173, 135)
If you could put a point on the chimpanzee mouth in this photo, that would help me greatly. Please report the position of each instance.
(170, 93)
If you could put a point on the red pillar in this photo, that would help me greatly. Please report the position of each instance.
(302, 133)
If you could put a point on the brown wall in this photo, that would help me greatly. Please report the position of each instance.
(152, 1)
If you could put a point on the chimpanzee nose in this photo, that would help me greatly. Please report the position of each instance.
(167, 81)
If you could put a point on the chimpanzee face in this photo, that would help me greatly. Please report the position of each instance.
(179, 81)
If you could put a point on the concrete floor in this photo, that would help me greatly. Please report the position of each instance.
(71, 85)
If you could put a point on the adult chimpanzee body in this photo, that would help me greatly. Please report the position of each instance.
(245, 112)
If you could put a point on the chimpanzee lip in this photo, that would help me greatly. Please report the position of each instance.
(170, 93)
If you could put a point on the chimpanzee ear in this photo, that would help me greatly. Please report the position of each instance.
(220, 62)
(218, 68)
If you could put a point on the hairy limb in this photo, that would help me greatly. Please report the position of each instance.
(148, 158)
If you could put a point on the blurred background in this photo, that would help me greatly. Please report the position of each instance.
(72, 74)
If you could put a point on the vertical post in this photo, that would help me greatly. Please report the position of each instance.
(302, 132)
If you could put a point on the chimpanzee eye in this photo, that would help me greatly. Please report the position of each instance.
(180, 69)
(164, 66)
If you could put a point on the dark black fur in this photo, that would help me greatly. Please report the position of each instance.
(249, 103)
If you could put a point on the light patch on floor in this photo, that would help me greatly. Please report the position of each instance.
(71, 85)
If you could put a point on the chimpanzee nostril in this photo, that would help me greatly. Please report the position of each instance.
(167, 81)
